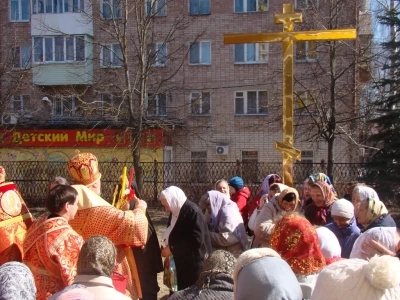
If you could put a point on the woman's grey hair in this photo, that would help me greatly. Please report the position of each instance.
(59, 181)
(220, 181)
(97, 257)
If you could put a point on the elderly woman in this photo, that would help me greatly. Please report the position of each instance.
(186, 238)
(296, 240)
(361, 193)
(319, 212)
(223, 187)
(16, 282)
(286, 201)
(215, 281)
(225, 223)
(373, 213)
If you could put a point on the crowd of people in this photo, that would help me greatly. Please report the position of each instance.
(280, 244)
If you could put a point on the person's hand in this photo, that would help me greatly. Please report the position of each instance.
(373, 248)
(139, 203)
(165, 252)
(125, 206)
(263, 200)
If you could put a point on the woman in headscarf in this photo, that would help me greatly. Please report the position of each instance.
(361, 193)
(270, 179)
(225, 223)
(261, 274)
(373, 213)
(215, 281)
(186, 238)
(16, 282)
(285, 201)
(296, 240)
(319, 212)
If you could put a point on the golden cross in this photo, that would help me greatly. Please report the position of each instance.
(288, 37)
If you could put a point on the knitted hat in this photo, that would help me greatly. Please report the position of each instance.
(357, 279)
(84, 168)
(237, 183)
(343, 208)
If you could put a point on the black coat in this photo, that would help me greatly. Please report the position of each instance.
(382, 221)
(190, 244)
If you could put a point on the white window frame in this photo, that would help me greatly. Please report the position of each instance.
(114, 8)
(18, 99)
(76, 39)
(200, 61)
(159, 110)
(307, 52)
(305, 99)
(160, 58)
(115, 61)
(260, 49)
(61, 102)
(157, 8)
(61, 7)
(308, 4)
(246, 9)
(22, 57)
(200, 96)
(20, 10)
(199, 5)
(245, 96)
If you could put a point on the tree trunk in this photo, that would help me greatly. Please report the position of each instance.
(331, 161)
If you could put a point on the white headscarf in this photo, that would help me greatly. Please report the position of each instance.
(175, 198)
(328, 243)
(365, 192)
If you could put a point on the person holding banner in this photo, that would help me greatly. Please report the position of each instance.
(96, 216)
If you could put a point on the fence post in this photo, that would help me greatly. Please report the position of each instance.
(238, 168)
(155, 179)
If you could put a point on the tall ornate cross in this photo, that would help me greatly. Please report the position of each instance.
(288, 37)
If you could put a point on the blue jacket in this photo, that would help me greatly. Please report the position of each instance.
(346, 235)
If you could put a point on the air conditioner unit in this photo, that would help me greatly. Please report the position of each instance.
(9, 119)
(221, 150)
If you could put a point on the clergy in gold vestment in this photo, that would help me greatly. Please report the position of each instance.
(15, 219)
(97, 217)
(51, 246)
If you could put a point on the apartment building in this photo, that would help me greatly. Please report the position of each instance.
(81, 66)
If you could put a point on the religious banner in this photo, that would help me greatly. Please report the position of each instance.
(151, 138)
(287, 37)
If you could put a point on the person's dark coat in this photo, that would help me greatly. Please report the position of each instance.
(190, 244)
(382, 221)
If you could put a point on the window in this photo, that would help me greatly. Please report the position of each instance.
(305, 101)
(200, 103)
(251, 102)
(21, 57)
(306, 4)
(251, 5)
(109, 104)
(64, 107)
(199, 7)
(159, 54)
(156, 8)
(17, 103)
(306, 50)
(59, 49)
(157, 104)
(111, 56)
(200, 53)
(57, 6)
(19, 10)
(112, 9)
(251, 53)
(250, 166)
(199, 166)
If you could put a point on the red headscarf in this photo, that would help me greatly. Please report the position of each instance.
(296, 240)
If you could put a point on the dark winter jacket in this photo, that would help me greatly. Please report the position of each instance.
(346, 236)
(382, 221)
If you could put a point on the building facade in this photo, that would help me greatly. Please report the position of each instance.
(110, 66)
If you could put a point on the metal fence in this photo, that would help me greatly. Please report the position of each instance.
(32, 177)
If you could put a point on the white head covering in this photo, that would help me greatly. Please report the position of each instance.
(365, 192)
(328, 243)
(357, 279)
(382, 235)
(343, 208)
(175, 198)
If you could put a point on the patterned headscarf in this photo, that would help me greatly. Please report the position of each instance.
(295, 239)
(322, 177)
(16, 282)
(225, 211)
(97, 257)
(375, 209)
(220, 261)
(175, 198)
(326, 190)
